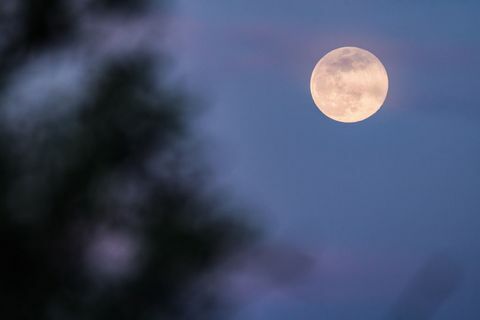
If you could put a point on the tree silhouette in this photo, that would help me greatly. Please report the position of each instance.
(104, 211)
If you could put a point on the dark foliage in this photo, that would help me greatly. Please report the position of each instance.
(88, 230)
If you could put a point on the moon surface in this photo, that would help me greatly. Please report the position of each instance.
(349, 84)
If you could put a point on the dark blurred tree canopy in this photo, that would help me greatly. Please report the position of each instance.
(105, 214)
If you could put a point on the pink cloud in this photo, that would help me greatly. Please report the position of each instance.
(328, 275)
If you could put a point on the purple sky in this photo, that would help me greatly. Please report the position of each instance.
(372, 201)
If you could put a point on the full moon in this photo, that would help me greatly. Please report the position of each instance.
(349, 84)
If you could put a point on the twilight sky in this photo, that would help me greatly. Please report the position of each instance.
(372, 201)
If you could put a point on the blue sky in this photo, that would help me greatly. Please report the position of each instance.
(372, 201)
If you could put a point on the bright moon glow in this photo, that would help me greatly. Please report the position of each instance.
(349, 84)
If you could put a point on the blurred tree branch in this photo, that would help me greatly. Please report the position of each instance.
(88, 231)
